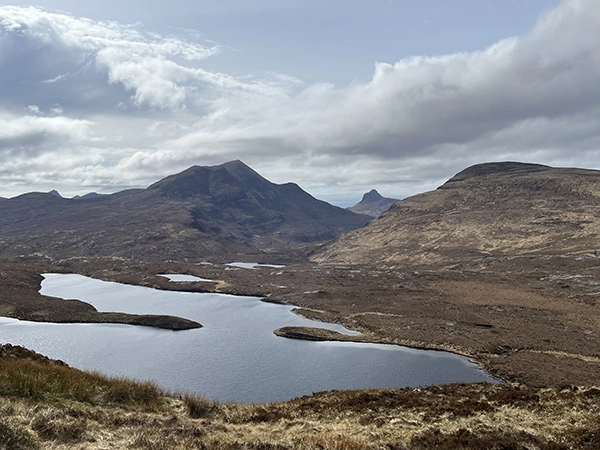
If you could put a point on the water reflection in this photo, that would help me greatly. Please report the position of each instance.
(235, 356)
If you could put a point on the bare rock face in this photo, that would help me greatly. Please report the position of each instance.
(493, 209)
(203, 212)
(373, 204)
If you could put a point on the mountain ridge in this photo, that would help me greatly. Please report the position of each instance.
(490, 209)
(203, 211)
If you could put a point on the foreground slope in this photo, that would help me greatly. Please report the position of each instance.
(202, 212)
(493, 209)
(46, 404)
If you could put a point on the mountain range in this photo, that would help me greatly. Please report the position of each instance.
(491, 209)
(216, 212)
(202, 212)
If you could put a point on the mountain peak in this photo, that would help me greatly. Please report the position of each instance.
(242, 171)
(55, 193)
(373, 204)
(499, 209)
(211, 180)
(202, 212)
(372, 195)
(236, 163)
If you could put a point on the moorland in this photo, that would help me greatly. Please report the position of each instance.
(501, 264)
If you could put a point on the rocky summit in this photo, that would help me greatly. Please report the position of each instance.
(203, 212)
(491, 209)
(373, 204)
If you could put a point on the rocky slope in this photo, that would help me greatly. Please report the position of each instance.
(203, 212)
(493, 209)
(373, 204)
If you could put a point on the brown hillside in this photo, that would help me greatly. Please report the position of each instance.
(493, 209)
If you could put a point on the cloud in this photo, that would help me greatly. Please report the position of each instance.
(55, 48)
(419, 109)
(418, 121)
(27, 136)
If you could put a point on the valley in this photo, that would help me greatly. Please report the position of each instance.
(500, 264)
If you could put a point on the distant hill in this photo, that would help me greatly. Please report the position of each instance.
(199, 213)
(87, 196)
(373, 204)
(498, 209)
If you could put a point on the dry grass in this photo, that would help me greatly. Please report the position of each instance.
(51, 406)
(39, 381)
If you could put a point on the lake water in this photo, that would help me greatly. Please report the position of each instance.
(246, 265)
(234, 357)
(178, 278)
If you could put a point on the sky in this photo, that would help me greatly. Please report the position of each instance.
(339, 96)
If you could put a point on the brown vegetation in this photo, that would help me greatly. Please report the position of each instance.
(530, 320)
(20, 281)
(500, 264)
(494, 209)
(44, 404)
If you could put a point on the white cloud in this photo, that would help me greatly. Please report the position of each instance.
(413, 111)
(141, 62)
(416, 122)
(27, 134)
(33, 109)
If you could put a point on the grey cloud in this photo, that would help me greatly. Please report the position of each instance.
(414, 124)
(29, 135)
(423, 108)
(81, 56)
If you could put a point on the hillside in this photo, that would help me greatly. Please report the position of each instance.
(373, 204)
(203, 212)
(493, 209)
(45, 404)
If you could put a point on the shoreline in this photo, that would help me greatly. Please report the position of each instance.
(521, 301)
(325, 335)
(72, 408)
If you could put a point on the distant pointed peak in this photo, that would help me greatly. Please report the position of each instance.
(372, 195)
(55, 193)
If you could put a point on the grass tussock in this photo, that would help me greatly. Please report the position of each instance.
(53, 424)
(16, 437)
(38, 381)
(198, 406)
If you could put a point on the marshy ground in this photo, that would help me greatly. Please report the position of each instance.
(526, 320)
(531, 321)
